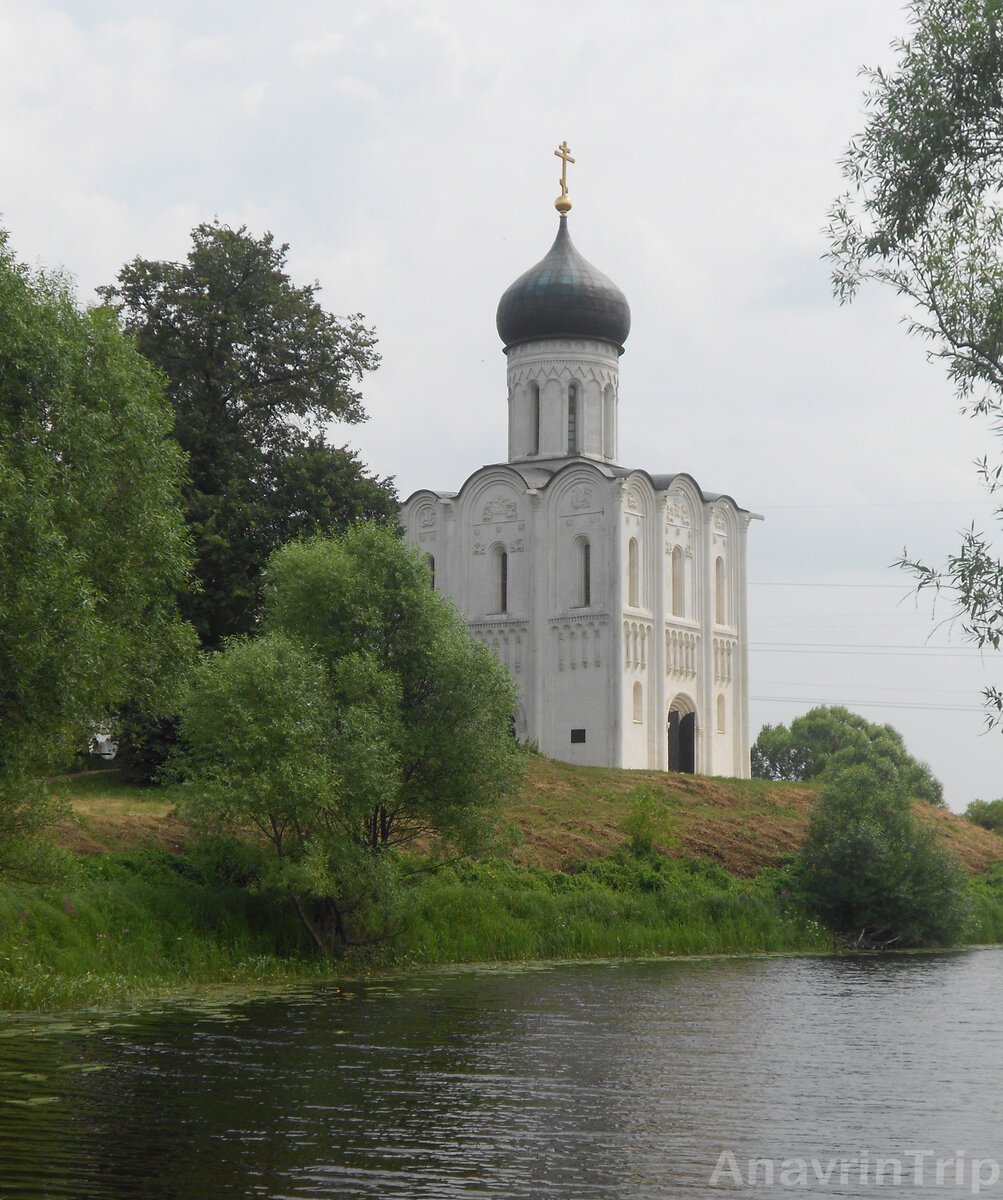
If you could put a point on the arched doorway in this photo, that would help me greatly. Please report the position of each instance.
(682, 731)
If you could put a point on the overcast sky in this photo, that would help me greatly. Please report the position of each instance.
(404, 150)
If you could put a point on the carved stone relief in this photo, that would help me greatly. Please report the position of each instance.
(500, 510)
(677, 513)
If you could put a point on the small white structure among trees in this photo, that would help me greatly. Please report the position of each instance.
(615, 597)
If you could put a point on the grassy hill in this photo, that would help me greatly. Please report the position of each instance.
(124, 926)
(565, 814)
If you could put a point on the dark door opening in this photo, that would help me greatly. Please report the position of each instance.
(682, 742)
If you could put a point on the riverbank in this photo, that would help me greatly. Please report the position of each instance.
(129, 925)
(145, 907)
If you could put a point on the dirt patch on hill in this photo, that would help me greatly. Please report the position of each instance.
(564, 815)
(108, 823)
(567, 814)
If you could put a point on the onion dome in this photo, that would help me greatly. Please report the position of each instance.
(563, 296)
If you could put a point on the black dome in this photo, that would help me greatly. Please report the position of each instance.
(563, 296)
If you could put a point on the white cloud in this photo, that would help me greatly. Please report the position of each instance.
(311, 50)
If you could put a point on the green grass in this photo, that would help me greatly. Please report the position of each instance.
(126, 926)
(614, 907)
(123, 927)
(985, 924)
(109, 783)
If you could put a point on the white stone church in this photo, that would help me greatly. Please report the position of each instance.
(616, 597)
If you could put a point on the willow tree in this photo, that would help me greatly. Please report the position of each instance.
(93, 546)
(924, 216)
(361, 721)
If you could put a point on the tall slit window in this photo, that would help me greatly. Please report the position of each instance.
(583, 591)
(572, 418)
(720, 613)
(609, 421)
(500, 565)
(430, 563)
(534, 418)
(632, 572)
(678, 582)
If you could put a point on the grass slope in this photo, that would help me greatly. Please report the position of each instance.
(569, 813)
(147, 907)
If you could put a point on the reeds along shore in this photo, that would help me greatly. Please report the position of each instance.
(129, 926)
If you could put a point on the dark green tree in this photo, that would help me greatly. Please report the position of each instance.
(93, 546)
(828, 739)
(987, 813)
(255, 370)
(924, 216)
(871, 871)
(362, 718)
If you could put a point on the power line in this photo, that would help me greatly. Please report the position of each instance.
(890, 651)
(908, 587)
(868, 703)
(891, 504)
(860, 687)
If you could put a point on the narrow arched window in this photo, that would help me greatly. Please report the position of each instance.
(720, 613)
(638, 704)
(500, 581)
(609, 421)
(632, 573)
(583, 573)
(534, 418)
(678, 582)
(573, 418)
(430, 563)
(720, 714)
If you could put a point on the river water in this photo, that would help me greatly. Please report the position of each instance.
(835, 1076)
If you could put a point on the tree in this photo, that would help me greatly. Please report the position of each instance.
(987, 813)
(925, 217)
(829, 739)
(361, 719)
(92, 542)
(873, 873)
(368, 590)
(255, 368)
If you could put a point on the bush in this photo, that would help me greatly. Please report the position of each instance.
(872, 872)
(987, 813)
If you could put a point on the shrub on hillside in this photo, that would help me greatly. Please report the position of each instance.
(987, 813)
(872, 872)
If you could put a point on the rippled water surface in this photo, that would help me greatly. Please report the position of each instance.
(630, 1080)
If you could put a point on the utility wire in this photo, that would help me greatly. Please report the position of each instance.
(868, 703)
(870, 649)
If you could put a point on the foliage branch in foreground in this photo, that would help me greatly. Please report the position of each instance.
(924, 216)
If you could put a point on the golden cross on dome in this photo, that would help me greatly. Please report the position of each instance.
(565, 157)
